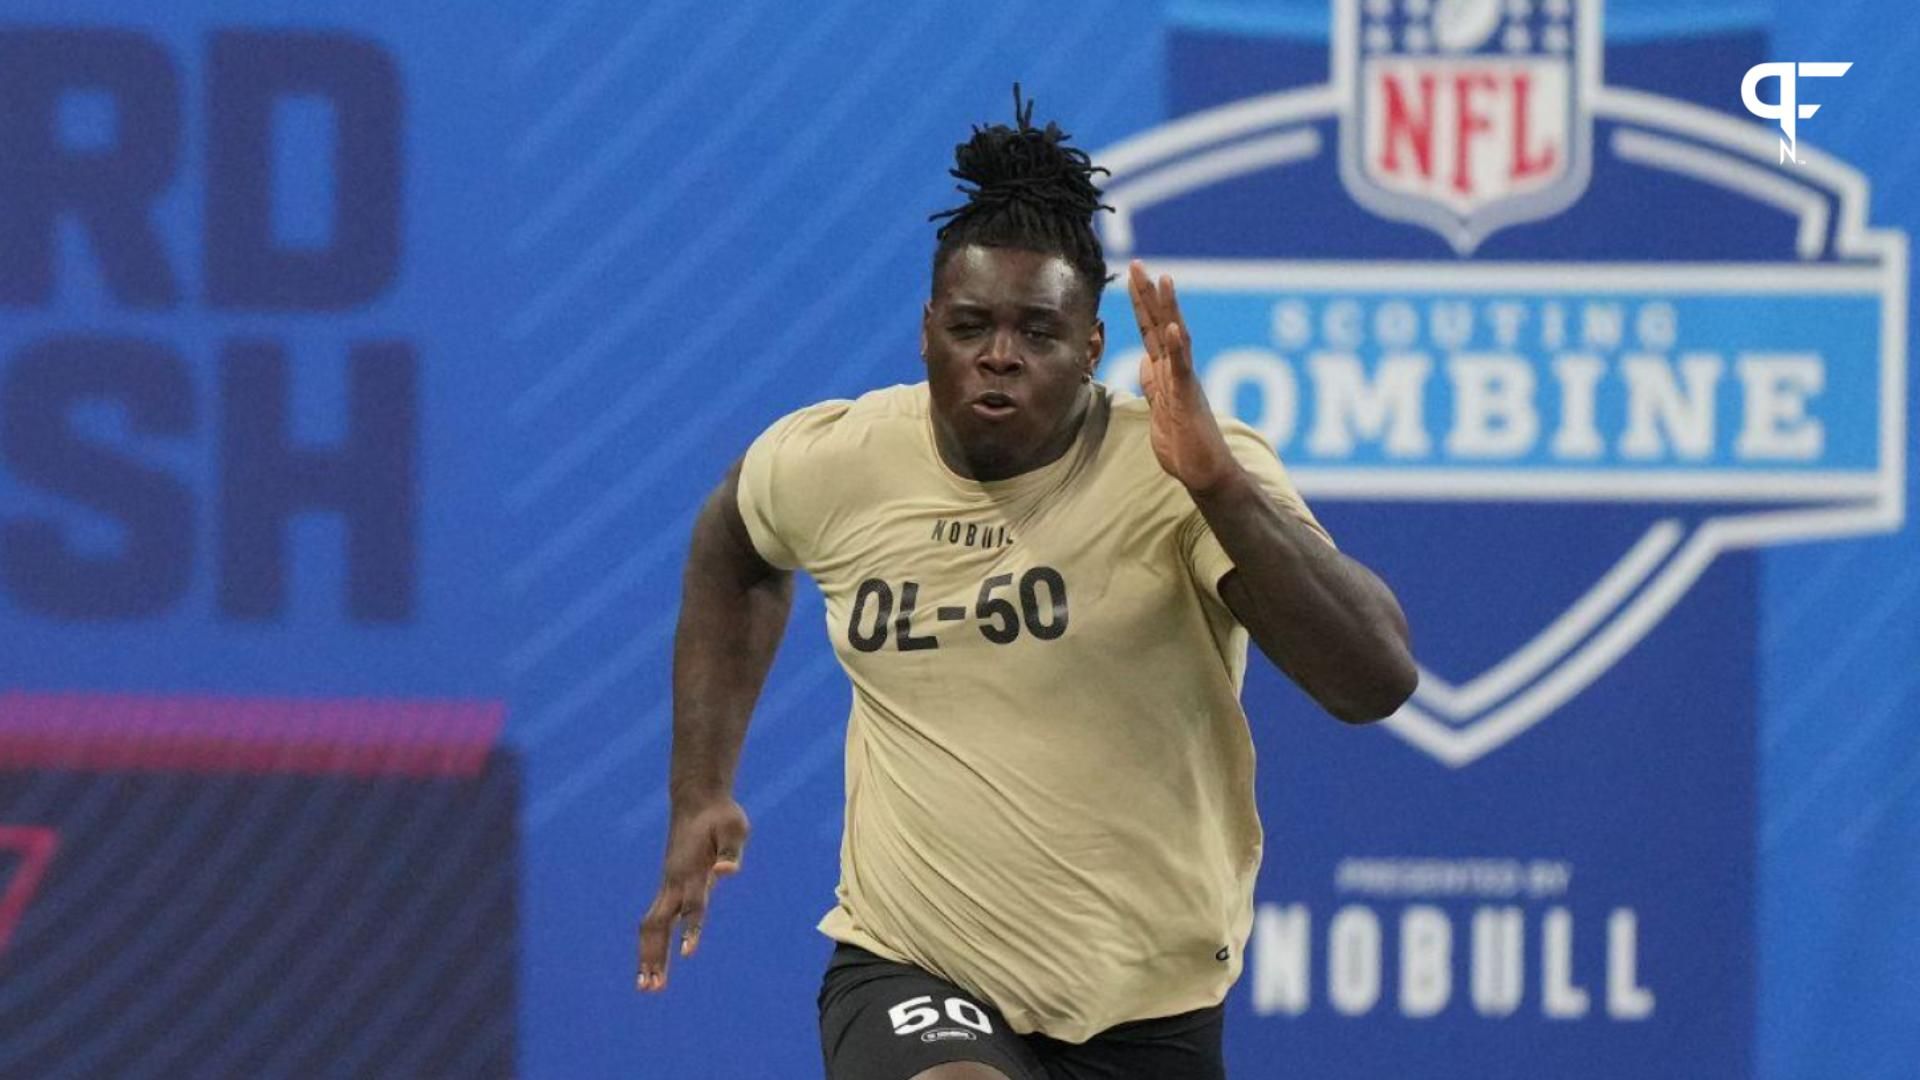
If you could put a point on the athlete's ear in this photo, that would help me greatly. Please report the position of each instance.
(1096, 347)
(926, 320)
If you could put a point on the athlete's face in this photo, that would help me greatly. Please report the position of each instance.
(1011, 341)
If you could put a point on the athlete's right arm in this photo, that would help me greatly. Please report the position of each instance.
(733, 610)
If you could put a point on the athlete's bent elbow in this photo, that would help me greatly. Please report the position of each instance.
(1356, 715)
(1380, 697)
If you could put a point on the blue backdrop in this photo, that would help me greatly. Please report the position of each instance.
(358, 360)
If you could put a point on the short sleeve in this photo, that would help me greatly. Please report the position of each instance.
(1207, 561)
(783, 517)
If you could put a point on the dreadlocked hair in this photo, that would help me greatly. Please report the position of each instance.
(1028, 190)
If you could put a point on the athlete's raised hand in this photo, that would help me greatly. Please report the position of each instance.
(1186, 438)
(703, 845)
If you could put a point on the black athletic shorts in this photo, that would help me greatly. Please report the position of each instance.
(885, 1021)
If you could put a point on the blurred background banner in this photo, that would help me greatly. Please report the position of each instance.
(256, 813)
(362, 367)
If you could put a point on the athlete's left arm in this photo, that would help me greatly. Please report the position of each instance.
(1321, 617)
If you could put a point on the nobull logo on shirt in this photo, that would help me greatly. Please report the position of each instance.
(1469, 272)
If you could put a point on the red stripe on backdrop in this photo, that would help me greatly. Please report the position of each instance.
(202, 733)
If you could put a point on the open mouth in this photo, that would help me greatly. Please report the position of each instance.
(993, 403)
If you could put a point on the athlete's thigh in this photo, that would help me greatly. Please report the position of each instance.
(885, 1021)
(1184, 1047)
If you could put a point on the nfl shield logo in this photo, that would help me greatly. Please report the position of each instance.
(1704, 356)
(1466, 116)
(1540, 348)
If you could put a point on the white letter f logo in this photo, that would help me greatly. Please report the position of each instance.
(1789, 112)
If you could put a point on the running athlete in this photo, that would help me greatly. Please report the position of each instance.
(1042, 591)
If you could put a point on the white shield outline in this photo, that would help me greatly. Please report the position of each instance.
(1467, 232)
(1459, 724)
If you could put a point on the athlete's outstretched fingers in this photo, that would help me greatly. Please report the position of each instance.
(1165, 326)
(1141, 319)
(1147, 311)
(1173, 348)
(655, 931)
(702, 846)
(1151, 293)
(729, 842)
(693, 911)
(1169, 301)
(1139, 290)
(1179, 345)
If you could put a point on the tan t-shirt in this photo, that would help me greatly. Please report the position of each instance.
(1049, 777)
